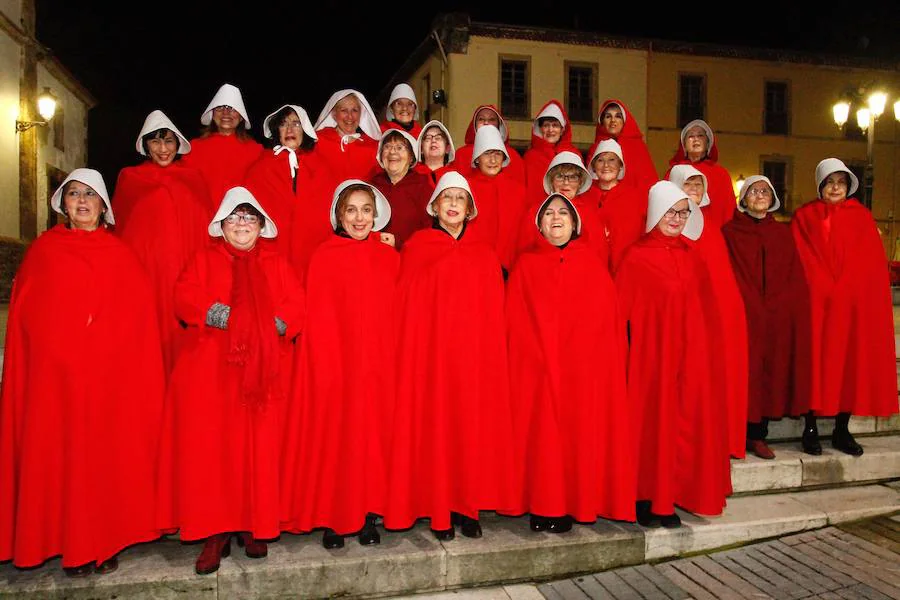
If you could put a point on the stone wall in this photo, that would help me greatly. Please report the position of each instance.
(11, 253)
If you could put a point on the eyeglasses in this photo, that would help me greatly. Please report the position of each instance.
(682, 214)
(235, 218)
(571, 178)
(398, 148)
(291, 125)
(435, 137)
(761, 193)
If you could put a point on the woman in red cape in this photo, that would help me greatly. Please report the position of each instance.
(243, 307)
(731, 350)
(567, 375)
(698, 149)
(348, 140)
(501, 199)
(853, 358)
(551, 134)
(402, 110)
(345, 377)
(623, 208)
(81, 408)
(488, 114)
(163, 186)
(436, 151)
(615, 122)
(776, 300)
(281, 179)
(453, 451)
(662, 288)
(225, 150)
(406, 190)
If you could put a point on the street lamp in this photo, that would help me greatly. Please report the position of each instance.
(46, 105)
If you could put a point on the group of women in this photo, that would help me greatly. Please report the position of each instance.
(242, 351)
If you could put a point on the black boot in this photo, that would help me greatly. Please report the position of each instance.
(368, 535)
(560, 524)
(841, 439)
(645, 518)
(469, 527)
(331, 540)
(539, 523)
(810, 439)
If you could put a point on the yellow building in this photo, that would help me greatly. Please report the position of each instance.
(771, 110)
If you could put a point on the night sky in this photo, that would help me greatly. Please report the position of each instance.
(288, 52)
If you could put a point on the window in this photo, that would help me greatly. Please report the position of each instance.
(581, 92)
(776, 169)
(59, 129)
(691, 98)
(776, 120)
(514, 86)
(425, 102)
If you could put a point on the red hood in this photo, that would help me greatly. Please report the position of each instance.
(470, 132)
(565, 140)
(629, 131)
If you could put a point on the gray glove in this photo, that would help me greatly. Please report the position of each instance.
(281, 326)
(217, 315)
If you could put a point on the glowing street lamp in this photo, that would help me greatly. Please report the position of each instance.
(46, 105)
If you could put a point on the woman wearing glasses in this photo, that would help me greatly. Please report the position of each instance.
(844, 260)
(282, 178)
(243, 306)
(731, 368)
(436, 150)
(776, 300)
(406, 189)
(663, 289)
(224, 151)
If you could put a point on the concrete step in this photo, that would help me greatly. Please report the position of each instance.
(791, 428)
(413, 561)
(792, 469)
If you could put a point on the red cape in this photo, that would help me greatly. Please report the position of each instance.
(776, 300)
(336, 162)
(682, 447)
(143, 194)
(567, 375)
(223, 160)
(80, 412)
(310, 222)
(462, 161)
(408, 198)
(228, 451)
(721, 190)
(639, 169)
(623, 210)
(853, 360)
(538, 157)
(730, 344)
(453, 446)
(501, 202)
(414, 131)
(433, 176)
(338, 433)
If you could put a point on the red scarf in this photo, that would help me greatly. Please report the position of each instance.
(253, 339)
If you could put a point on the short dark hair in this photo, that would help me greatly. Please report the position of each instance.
(160, 134)
(249, 208)
(394, 134)
(278, 120)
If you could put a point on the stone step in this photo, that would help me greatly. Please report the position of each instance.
(413, 561)
(792, 468)
(791, 428)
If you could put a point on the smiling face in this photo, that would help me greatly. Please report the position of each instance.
(613, 120)
(694, 188)
(290, 131)
(357, 214)
(490, 162)
(226, 119)
(758, 199)
(566, 180)
(163, 147)
(557, 222)
(673, 220)
(451, 207)
(607, 166)
(241, 228)
(347, 113)
(551, 129)
(696, 143)
(82, 205)
(396, 156)
(834, 188)
(404, 110)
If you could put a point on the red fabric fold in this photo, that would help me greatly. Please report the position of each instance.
(408, 198)
(223, 161)
(501, 203)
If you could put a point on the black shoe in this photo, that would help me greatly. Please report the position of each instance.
(843, 441)
(672, 521)
(331, 540)
(810, 441)
(369, 535)
(539, 523)
(444, 535)
(80, 571)
(470, 527)
(560, 524)
(644, 517)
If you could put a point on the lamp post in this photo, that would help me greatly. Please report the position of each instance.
(46, 105)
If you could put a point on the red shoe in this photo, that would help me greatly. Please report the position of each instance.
(215, 549)
(760, 449)
(252, 548)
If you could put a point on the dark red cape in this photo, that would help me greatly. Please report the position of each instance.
(639, 169)
(623, 210)
(776, 300)
(81, 409)
(223, 160)
(501, 202)
(537, 158)
(853, 357)
(338, 433)
(721, 189)
(567, 379)
(408, 199)
(462, 161)
(228, 451)
(143, 195)
(453, 446)
(682, 447)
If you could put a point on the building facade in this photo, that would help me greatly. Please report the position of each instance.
(771, 110)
